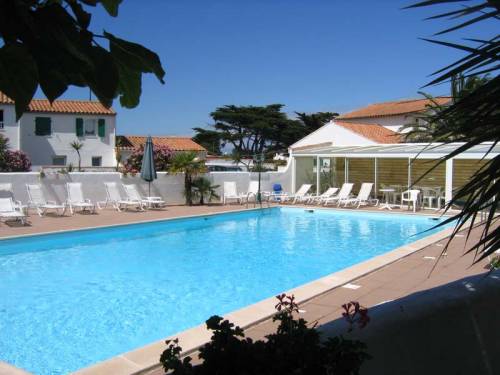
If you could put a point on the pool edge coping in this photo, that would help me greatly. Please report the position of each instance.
(146, 358)
(106, 226)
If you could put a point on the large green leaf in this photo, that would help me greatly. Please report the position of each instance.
(103, 77)
(129, 86)
(81, 15)
(111, 6)
(135, 56)
(18, 75)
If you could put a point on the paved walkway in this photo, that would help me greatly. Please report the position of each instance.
(107, 216)
(401, 278)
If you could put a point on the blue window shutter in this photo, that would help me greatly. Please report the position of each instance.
(79, 127)
(101, 127)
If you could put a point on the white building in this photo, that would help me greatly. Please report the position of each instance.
(377, 123)
(365, 146)
(45, 132)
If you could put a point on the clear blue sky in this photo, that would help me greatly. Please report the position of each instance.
(311, 55)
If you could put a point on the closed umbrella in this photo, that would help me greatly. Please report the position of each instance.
(148, 170)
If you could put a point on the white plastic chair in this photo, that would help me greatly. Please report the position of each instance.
(344, 193)
(363, 197)
(410, 197)
(8, 211)
(114, 198)
(76, 199)
(230, 192)
(133, 195)
(318, 199)
(301, 194)
(37, 201)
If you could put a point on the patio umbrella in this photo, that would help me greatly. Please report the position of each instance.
(148, 170)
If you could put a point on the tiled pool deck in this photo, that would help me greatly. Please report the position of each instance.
(384, 278)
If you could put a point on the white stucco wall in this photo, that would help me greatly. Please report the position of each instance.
(169, 187)
(11, 128)
(336, 134)
(41, 149)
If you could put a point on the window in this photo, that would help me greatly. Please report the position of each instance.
(1, 118)
(101, 131)
(43, 126)
(59, 160)
(89, 126)
(96, 161)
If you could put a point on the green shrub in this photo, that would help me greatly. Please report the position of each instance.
(295, 348)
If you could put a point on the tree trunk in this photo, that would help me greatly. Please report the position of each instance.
(187, 188)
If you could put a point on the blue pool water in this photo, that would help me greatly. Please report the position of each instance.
(70, 300)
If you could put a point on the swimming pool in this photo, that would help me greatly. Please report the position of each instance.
(76, 298)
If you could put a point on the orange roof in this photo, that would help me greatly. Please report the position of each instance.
(398, 107)
(175, 143)
(63, 106)
(4, 99)
(374, 132)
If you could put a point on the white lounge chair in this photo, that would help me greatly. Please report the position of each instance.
(40, 204)
(230, 192)
(6, 191)
(253, 190)
(410, 197)
(133, 195)
(301, 194)
(344, 193)
(76, 200)
(8, 211)
(363, 197)
(318, 199)
(114, 198)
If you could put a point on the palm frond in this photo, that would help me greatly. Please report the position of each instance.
(472, 118)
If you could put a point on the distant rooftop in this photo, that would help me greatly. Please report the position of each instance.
(84, 107)
(176, 143)
(398, 107)
(374, 132)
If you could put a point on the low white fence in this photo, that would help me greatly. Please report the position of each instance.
(169, 187)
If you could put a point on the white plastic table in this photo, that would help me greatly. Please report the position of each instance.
(387, 192)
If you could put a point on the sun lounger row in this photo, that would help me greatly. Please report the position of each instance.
(331, 196)
(76, 201)
(335, 196)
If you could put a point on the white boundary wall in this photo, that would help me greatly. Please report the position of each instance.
(169, 187)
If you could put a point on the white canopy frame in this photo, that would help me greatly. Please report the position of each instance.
(409, 151)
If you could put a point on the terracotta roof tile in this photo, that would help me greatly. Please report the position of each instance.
(4, 99)
(174, 142)
(374, 132)
(63, 106)
(392, 108)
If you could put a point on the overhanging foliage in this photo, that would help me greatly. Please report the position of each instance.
(49, 44)
(475, 117)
